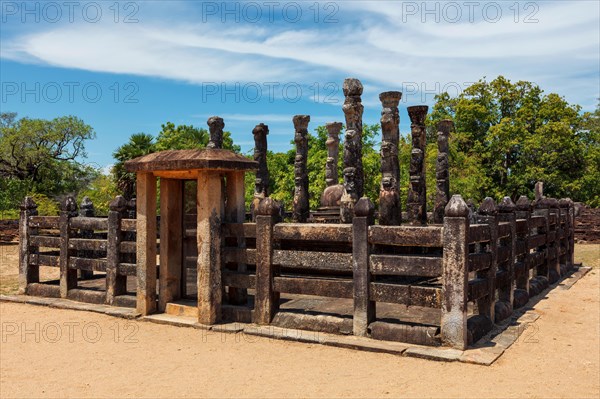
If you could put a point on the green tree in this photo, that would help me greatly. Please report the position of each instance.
(46, 154)
(170, 137)
(188, 137)
(101, 191)
(510, 135)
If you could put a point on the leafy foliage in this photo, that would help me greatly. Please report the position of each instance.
(510, 135)
(42, 158)
(101, 191)
(43, 155)
(171, 137)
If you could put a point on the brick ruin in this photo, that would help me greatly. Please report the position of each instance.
(442, 280)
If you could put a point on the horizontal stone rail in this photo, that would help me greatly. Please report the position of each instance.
(496, 258)
(80, 245)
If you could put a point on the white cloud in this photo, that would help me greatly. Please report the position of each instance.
(558, 52)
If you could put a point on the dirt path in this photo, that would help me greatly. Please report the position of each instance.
(558, 356)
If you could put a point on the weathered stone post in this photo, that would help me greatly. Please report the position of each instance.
(86, 209)
(171, 241)
(235, 212)
(455, 273)
(301, 207)
(265, 299)
(539, 190)
(541, 208)
(215, 127)
(349, 197)
(442, 195)
(504, 306)
(68, 277)
(353, 167)
(28, 273)
(417, 191)
(333, 148)
(261, 183)
(146, 243)
(390, 212)
(488, 214)
(210, 286)
(523, 212)
(563, 203)
(115, 283)
(571, 255)
(364, 308)
(553, 241)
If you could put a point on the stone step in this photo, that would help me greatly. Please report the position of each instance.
(182, 308)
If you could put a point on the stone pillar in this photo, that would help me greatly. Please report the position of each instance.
(455, 274)
(390, 212)
(571, 216)
(349, 197)
(86, 209)
(353, 168)
(265, 299)
(28, 273)
(523, 212)
(504, 306)
(215, 127)
(488, 214)
(115, 284)
(68, 277)
(442, 195)
(333, 148)
(261, 183)
(210, 206)
(541, 208)
(539, 190)
(171, 239)
(364, 308)
(301, 207)
(146, 243)
(235, 212)
(553, 252)
(417, 192)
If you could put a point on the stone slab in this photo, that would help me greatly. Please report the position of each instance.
(59, 303)
(431, 353)
(568, 282)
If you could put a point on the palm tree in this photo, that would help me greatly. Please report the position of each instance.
(139, 144)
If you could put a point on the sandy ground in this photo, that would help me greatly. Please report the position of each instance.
(61, 353)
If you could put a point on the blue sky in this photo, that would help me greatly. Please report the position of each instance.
(127, 67)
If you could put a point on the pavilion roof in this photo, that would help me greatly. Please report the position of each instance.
(181, 160)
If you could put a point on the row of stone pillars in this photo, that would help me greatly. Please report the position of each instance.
(390, 212)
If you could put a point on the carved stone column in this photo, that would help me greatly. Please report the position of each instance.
(301, 207)
(389, 194)
(539, 190)
(215, 127)
(417, 192)
(261, 183)
(353, 168)
(442, 195)
(333, 148)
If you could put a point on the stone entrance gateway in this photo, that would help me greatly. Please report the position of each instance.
(220, 198)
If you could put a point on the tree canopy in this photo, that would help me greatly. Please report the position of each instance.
(170, 137)
(42, 156)
(510, 135)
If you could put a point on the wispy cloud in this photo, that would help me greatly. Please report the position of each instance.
(560, 51)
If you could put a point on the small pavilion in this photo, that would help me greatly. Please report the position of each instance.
(220, 198)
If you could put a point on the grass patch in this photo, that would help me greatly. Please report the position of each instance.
(588, 254)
